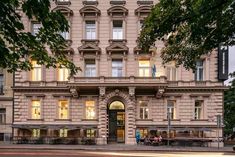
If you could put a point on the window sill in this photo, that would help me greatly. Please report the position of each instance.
(62, 119)
(86, 41)
(62, 2)
(89, 119)
(85, 2)
(41, 119)
(172, 120)
(142, 2)
(144, 119)
(118, 2)
(199, 120)
(124, 41)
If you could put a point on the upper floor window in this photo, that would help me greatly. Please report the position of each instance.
(144, 110)
(199, 71)
(35, 28)
(90, 68)
(117, 29)
(144, 68)
(1, 84)
(116, 68)
(90, 109)
(198, 109)
(171, 109)
(171, 73)
(36, 71)
(65, 35)
(36, 132)
(2, 116)
(36, 109)
(63, 110)
(63, 74)
(90, 30)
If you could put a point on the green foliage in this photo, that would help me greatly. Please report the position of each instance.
(18, 47)
(229, 107)
(193, 27)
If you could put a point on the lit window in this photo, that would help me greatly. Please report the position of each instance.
(198, 110)
(117, 30)
(143, 133)
(63, 74)
(90, 133)
(36, 71)
(199, 71)
(117, 68)
(36, 133)
(171, 109)
(90, 110)
(2, 116)
(90, 30)
(63, 132)
(63, 110)
(36, 110)
(144, 111)
(171, 73)
(35, 28)
(1, 84)
(144, 68)
(90, 68)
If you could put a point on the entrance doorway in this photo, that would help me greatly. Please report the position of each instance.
(116, 125)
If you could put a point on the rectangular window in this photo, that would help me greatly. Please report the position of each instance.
(36, 132)
(63, 110)
(90, 68)
(198, 110)
(36, 71)
(171, 73)
(90, 133)
(144, 111)
(35, 28)
(117, 29)
(63, 74)
(90, 109)
(143, 133)
(171, 109)
(90, 30)
(1, 84)
(116, 68)
(144, 68)
(2, 116)
(63, 133)
(65, 35)
(36, 109)
(199, 71)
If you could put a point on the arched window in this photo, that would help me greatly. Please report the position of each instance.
(116, 105)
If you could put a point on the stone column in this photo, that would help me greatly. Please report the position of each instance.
(102, 115)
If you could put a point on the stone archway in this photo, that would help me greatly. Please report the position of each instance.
(125, 98)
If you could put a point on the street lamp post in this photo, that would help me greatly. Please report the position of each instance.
(168, 127)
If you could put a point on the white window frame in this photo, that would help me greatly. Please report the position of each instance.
(90, 68)
(144, 71)
(3, 116)
(144, 109)
(36, 72)
(63, 74)
(171, 107)
(198, 109)
(90, 29)
(117, 68)
(199, 73)
(118, 32)
(171, 73)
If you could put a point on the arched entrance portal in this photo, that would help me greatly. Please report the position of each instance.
(116, 125)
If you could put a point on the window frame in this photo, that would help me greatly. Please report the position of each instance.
(90, 71)
(61, 111)
(171, 73)
(144, 68)
(92, 29)
(144, 108)
(33, 107)
(92, 109)
(199, 73)
(3, 116)
(198, 109)
(117, 32)
(170, 108)
(36, 72)
(117, 68)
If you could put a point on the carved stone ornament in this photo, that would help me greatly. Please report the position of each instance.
(74, 92)
(160, 92)
(102, 91)
(132, 91)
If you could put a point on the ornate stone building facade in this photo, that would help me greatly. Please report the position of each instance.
(120, 90)
(6, 103)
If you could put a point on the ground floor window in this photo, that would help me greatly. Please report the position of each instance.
(36, 132)
(90, 133)
(63, 132)
(143, 133)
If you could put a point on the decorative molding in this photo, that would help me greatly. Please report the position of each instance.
(200, 95)
(102, 91)
(160, 92)
(117, 2)
(144, 2)
(63, 9)
(117, 11)
(58, 2)
(85, 2)
(143, 11)
(34, 95)
(90, 11)
(74, 92)
(61, 95)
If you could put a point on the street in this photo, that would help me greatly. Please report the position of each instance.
(72, 153)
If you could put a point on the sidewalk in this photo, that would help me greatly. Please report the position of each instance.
(115, 147)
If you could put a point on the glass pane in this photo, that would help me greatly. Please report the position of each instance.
(36, 110)
(116, 105)
(63, 110)
(90, 110)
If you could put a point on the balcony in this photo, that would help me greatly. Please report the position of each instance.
(118, 81)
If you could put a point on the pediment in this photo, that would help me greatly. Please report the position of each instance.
(89, 9)
(143, 9)
(88, 48)
(63, 9)
(116, 47)
(117, 9)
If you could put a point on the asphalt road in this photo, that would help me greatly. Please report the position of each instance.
(73, 153)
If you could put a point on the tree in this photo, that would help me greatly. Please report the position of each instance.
(18, 47)
(189, 28)
(229, 107)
